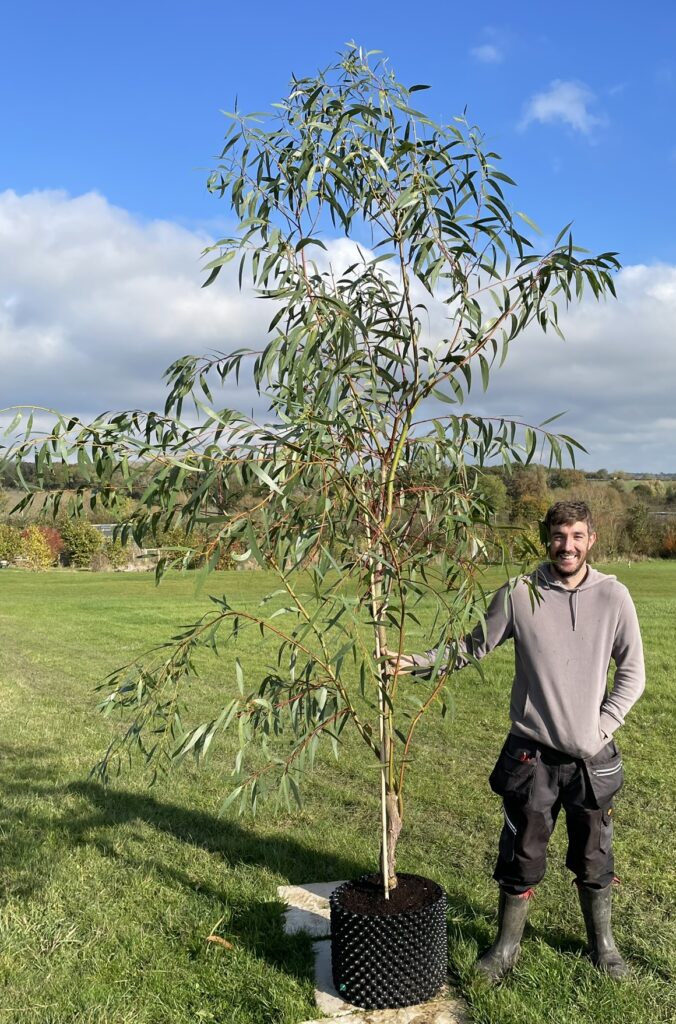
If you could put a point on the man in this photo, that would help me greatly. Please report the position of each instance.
(567, 623)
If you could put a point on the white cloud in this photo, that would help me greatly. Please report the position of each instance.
(613, 375)
(95, 304)
(487, 54)
(568, 102)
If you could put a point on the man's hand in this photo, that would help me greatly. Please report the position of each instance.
(401, 663)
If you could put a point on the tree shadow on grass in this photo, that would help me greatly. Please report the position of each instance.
(82, 814)
(234, 843)
(28, 790)
(43, 822)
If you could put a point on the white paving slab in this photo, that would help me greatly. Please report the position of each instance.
(439, 1011)
(436, 1012)
(326, 997)
(307, 908)
(308, 911)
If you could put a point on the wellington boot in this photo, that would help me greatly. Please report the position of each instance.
(596, 904)
(503, 954)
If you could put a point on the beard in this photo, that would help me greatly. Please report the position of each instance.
(564, 570)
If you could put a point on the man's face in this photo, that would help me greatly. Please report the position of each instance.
(569, 545)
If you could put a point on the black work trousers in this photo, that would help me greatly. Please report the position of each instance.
(535, 782)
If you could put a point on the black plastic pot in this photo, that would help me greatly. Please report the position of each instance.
(383, 961)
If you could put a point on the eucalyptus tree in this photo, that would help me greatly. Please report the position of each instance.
(397, 276)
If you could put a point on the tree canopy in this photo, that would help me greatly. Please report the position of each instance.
(398, 278)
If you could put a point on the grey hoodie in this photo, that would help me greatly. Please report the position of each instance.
(563, 645)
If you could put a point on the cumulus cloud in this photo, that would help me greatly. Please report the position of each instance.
(612, 376)
(94, 304)
(487, 54)
(567, 102)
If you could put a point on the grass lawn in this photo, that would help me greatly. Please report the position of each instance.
(107, 897)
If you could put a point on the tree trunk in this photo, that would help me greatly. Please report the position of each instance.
(392, 836)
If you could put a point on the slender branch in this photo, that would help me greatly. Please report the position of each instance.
(361, 729)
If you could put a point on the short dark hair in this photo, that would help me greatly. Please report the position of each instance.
(563, 513)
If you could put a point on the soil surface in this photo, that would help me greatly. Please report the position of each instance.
(365, 895)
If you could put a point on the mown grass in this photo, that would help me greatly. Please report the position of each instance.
(107, 897)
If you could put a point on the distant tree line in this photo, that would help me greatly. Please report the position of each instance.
(58, 477)
(633, 519)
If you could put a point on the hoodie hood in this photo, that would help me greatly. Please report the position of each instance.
(547, 579)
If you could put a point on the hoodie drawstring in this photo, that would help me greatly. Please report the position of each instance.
(573, 607)
(546, 580)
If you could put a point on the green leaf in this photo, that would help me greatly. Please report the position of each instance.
(230, 799)
(377, 156)
(504, 177)
(295, 791)
(485, 371)
(310, 241)
(243, 557)
(12, 426)
(529, 222)
(253, 544)
(212, 276)
(556, 416)
(264, 477)
(561, 233)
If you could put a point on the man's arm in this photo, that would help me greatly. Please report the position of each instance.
(485, 637)
(629, 682)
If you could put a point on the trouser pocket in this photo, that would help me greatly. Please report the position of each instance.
(605, 774)
(606, 833)
(506, 846)
(590, 846)
(514, 773)
(522, 850)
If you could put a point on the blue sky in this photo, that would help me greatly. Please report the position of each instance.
(111, 116)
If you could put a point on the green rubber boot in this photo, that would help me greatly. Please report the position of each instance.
(504, 953)
(596, 904)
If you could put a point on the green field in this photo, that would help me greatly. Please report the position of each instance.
(107, 897)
